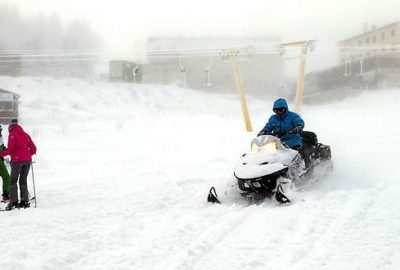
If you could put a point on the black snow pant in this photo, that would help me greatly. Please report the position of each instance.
(305, 157)
(19, 171)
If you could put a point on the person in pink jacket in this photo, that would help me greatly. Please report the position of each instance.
(21, 148)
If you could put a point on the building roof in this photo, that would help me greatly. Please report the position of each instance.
(9, 92)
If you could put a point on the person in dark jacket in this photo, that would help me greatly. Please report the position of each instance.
(21, 148)
(3, 172)
(285, 124)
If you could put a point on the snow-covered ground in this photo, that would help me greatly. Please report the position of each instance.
(122, 173)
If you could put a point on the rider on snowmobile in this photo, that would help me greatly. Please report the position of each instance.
(285, 124)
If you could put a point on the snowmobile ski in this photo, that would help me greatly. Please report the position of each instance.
(280, 197)
(212, 196)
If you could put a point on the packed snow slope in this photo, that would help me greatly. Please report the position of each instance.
(122, 173)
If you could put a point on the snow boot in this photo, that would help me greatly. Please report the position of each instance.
(6, 198)
(24, 204)
(12, 206)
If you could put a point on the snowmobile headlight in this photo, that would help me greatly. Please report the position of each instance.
(270, 147)
(246, 185)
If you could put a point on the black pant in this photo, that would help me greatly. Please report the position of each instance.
(305, 157)
(19, 171)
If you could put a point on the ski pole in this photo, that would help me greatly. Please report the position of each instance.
(34, 188)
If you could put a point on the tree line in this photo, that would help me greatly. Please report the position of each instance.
(44, 32)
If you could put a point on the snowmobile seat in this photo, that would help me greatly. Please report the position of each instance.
(323, 152)
(310, 143)
(309, 138)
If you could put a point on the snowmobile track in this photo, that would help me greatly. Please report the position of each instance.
(204, 245)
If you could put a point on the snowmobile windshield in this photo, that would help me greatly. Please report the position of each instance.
(267, 144)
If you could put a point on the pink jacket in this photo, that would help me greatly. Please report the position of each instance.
(20, 145)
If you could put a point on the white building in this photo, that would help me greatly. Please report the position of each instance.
(373, 42)
(370, 60)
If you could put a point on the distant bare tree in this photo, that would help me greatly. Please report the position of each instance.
(43, 32)
(10, 27)
(79, 36)
(27, 43)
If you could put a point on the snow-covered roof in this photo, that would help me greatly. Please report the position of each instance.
(8, 92)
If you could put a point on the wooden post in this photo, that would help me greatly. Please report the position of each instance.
(302, 68)
(239, 87)
(300, 82)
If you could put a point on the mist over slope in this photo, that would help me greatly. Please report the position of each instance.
(123, 171)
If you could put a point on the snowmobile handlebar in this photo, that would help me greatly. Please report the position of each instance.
(284, 133)
(279, 134)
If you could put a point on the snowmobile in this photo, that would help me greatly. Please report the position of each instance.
(271, 167)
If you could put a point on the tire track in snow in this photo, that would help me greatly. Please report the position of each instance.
(357, 238)
(266, 243)
(206, 243)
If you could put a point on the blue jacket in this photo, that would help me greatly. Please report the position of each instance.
(286, 122)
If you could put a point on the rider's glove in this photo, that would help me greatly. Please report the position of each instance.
(281, 134)
(298, 129)
(263, 132)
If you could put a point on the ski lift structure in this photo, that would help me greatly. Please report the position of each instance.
(136, 71)
(235, 55)
(124, 71)
(306, 46)
(207, 69)
(348, 65)
(357, 54)
(183, 72)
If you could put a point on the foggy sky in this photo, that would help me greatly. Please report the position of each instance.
(125, 24)
(289, 19)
